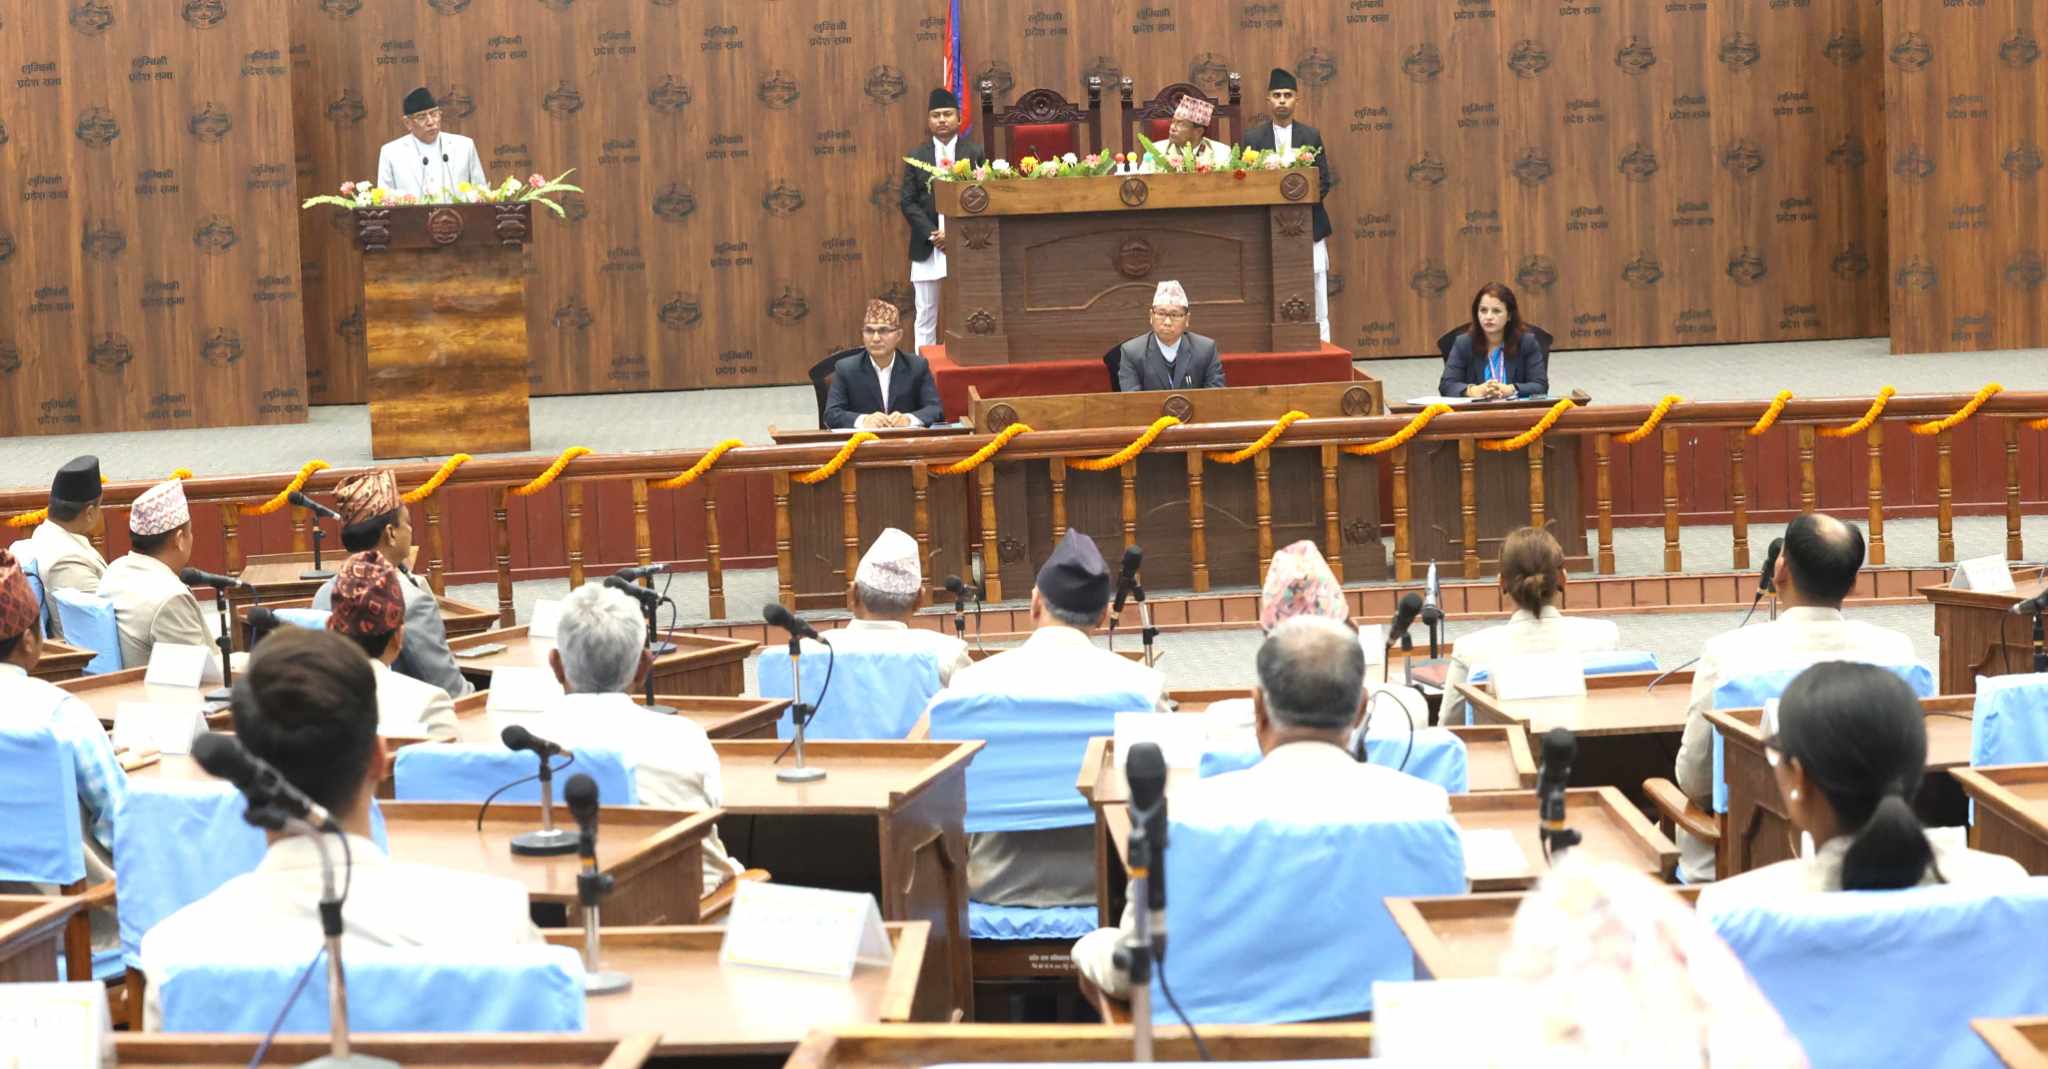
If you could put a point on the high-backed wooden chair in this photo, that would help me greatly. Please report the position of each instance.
(1154, 116)
(1042, 123)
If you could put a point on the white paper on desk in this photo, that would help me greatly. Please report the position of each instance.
(1432, 400)
(55, 1024)
(1181, 739)
(1493, 853)
(1429, 1022)
(546, 615)
(1537, 676)
(1990, 575)
(1372, 638)
(804, 929)
(522, 689)
(173, 664)
(158, 726)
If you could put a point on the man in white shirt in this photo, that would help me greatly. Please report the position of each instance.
(600, 657)
(307, 707)
(1187, 139)
(369, 610)
(887, 588)
(1284, 135)
(927, 227)
(428, 159)
(62, 544)
(151, 604)
(1816, 570)
(1309, 699)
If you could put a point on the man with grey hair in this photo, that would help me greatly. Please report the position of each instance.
(887, 588)
(601, 657)
(1310, 698)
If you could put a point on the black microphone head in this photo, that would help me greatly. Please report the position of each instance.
(953, 584)
(1405, 612)
(778, 616)
(1560, 747)
(1145, 768)
(299, 498)
(516, 738)
(581, 796)
(191, 577)
(1134, 558)
(222, 756)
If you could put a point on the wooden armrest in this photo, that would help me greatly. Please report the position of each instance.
(1113, 1010)
(717, 902)
(1674, 808)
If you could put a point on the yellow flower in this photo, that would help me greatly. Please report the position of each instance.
(1251, 155)
(377, 195)
(960, 167)
(1028, 164)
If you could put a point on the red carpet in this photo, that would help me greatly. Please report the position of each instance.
(1331, 364)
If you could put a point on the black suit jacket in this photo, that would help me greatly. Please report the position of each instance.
(1305, 136)
(916, 197)
(857, 390)
(1528, 368)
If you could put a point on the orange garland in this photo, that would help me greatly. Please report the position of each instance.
(1125, 455)
(547, 478)
(981, 456)
(1265, 441)
(283, 496)
(1955, 418)
(1770, 415)
(1524, 439)
(1656, 416)
(1399, 438)
(426, 489)
(1876, 409)
(699, 468)
(831, 467)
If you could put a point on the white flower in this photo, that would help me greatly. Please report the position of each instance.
(1001, 166)
(1071, 159)
(364, 183)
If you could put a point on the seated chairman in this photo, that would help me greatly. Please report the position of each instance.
(882, 386)
(1169, 356)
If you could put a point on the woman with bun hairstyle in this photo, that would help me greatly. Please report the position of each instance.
(1532, 576)
(1849, 753)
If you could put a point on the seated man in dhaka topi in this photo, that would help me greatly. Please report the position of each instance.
(428, 159)
(1187, 138)
(1169, 356)
(882, 386)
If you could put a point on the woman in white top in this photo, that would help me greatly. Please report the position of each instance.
(1532, 576)
(1849, 753)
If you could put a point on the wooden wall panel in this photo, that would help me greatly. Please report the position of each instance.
(148, 257)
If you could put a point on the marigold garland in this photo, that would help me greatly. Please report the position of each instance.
(1399, 438)
(1955, 418)
(28, 519)
(699, 468)
(2038, 424)
(1123, 456)
(982, 455)
(426, 489)
(1524, 439)
(1770, 416)
(1656, 416)
(831, 467)
(1265, 441)
(1884, 394)
(547, 478)
(283, 497)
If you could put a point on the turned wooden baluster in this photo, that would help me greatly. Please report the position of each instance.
(1333, 530)
(1603, 500)
(921, 518)
(572, 497)
(1198, 537)
(231, 537)
(1404, 560)
(1128, 474)
(437, 566)
(1809, 486)
(1058, 467)
(991, 562)
(849, 524)
(785, 557)
(1262, 479)
(1674, 560)
(1536, 517)
(2014, 549)
(1738, 496)
(643, 531)
(300, 544)
(1873, 447)
(1468, 503)
(1944, 496)
(714, 561)
(502, 522)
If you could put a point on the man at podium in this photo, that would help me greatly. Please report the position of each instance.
(427, 158)
(1169, 357)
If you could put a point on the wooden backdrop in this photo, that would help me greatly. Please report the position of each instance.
(1967, 89)
(149, 254)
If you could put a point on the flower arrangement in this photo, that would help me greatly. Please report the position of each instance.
(1165, 160)
(536, 189)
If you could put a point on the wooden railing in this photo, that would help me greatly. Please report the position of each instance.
(1594, 427)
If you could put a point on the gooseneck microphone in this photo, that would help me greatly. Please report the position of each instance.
(518, 738)
(1145, 771)
(591, 885)
(225, 757)
(959, 591)
(640, 571)
(1560, 749)
(800, 711)
(648, 599)
(548, 840)
(777, 616)
(1134, 558)
(195, 577)
(299, 498)
(1432, 610)
(226, 641)
(1767, 581)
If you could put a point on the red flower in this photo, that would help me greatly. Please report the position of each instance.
(1238, 174)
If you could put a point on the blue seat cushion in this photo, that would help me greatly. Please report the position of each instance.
(985, 921)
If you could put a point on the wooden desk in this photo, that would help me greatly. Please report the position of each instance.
(901, 1046)
(1626, 732)
(2019, 1042)
(1462, 937)
(1979, 634)
(721, 718)
(276, 575)
(459, 619)
(60, 661)
(703, 1009)
(32, 936)
(655, 855)
(105, 693)
(701, 664)
(468, 1051)
(888, 819)
(2012, 812)
(1499, 497)
(1757, 831)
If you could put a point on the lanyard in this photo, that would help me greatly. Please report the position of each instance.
(1496, 367)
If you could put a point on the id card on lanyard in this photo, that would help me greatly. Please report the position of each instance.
(1496, 366)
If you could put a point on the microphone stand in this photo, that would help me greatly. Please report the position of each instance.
(800, 715)
(226, 642)
(319, 537)
(1136, 953)
(2040, 646)
(548, 841)
(960, 614)
(1147, 631)
(591, 887)
(655, 648)
(339, 1055)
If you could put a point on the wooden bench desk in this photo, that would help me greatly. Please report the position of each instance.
(1627, 732)
(2019, 1042)
(904, 1046)
(465, 1051)
(2012, 812)
(700, 664)
(706, 1010)
(60, 661)
(105, 693)
(721, 718)
(1462, 937)
(32, 935)
(1979, 634)
(458, 618)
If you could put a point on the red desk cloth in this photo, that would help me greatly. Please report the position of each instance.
(1330, 364)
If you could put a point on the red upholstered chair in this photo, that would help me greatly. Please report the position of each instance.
(1155, 115)
(1043, 124)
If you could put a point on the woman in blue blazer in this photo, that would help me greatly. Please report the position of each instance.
(1508, 363)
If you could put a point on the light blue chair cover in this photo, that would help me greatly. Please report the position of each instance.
(1023, 780)
(1599, 663)
(40, 827)
(459, 772)
(88, 622)
(876, 693)
(1280, 921)
(390, 989)
(33, 569)
(1753, 690)
(2009, 725)
(310, 619)
(1867, 978)
(1439, 757)
(177, 841)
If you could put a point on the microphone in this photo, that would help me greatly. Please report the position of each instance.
(591, 885)
(1560, 748)
(959, 591)
(777, 616)
(1134, 558)
(195, 577)
(648, 599)
(2032, 605)
(549, 840)
(640, 571)
(581, 795)
(1432, 591)
(800, 711)
(1145, 771)
(518, 738)
(299, 498)
(1766, 583)
(1405, 613)
(225, 757)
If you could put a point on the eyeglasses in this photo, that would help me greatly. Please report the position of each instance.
(1169, 313)
(422, 116)
(879, 331)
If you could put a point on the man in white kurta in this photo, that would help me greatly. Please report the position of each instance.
(1187, 137)
(151, 604)
(427, 159)
(1310, 698)
(369, 610)
(1816, 570)
(308, 711)
(942, 148)
(887, 588)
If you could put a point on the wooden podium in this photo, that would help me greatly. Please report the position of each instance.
(1979, 634)
(1058, 268)
(444, 305)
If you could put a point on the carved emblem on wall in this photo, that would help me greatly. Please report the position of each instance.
(2022, 161)
(2020, 50)
(974, 200)
(977, 236)
(1913, 165)
(1851, 263)
(563, 101)
(1848, 153)
(1532, 168)
(96, 127)
(203, 14)
(789, 307)
(1844, 48)
(1178, 406)
(1918, 276)
(1638, 163)
(674, 203)
(901, 295)
(346, 109)
(449, 7)
(883, 194)
(456, 100)
(444, 226)
(1643, 272)
(2026, 271)
(558, 6)
(577, 209)
(777, 91)
(1104, 67)
(103, 241)
(1422, 63)
(1000, 416)
(1133, 192)
(1739, 51)
(1210, 71)
(10, 358)
(1430, 280)
(572, 315)
(782, 199)
(92, 17)
(1635, 57)
(981, 322)
(222, 347)
(885, 85)
(341, 9)
(1747, 267)
(1294, 185)
(1912, 54)
(681, 311)
(214, 235)
(7, 247)
(1536, 274)
(1528, 59)
(1296, 310)
(210, 124)
(997, 75)
(109, 353)
(1357, 401)
(1743, 157)
(1315, 68)
(1009, 550)
(668, 96)
(1428, 172)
